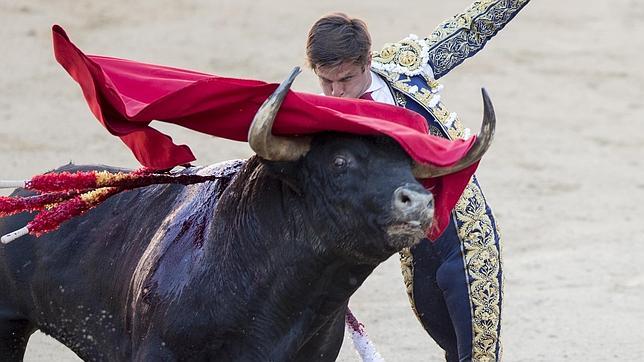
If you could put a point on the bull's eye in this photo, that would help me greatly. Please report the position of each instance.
(340, 162)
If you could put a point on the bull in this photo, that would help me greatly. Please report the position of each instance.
(256, 266)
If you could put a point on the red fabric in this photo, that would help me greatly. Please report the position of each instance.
(126, 96)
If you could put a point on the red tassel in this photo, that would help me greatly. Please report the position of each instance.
(49, 220)
(71, 195)
(13, 205)
(63, 181)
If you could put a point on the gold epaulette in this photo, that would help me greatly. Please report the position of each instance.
(408, 56)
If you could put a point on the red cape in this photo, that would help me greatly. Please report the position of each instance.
(126, 96)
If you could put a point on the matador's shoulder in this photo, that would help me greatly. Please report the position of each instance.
(408, 56)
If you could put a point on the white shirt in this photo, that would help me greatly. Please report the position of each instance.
(379, 90)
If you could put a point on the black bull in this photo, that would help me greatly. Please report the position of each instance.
(256, 266)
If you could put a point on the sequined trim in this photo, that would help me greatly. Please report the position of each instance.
(400, 99)
(449, 121)
(425, 96)
(462, 36)
(428, 98)
(407, 268)
(482, 262)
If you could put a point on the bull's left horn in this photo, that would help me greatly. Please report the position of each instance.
(260, 136)
(482, 143)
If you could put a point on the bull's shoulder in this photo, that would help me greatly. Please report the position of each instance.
(221, 169)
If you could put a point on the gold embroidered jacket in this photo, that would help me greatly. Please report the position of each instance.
(410, 67)
(405, 64)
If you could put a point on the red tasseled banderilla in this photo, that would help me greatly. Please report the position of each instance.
(363, 345)
(50, 182)
(84, 180)
(10, 205)
(101, 185)
(51, 219)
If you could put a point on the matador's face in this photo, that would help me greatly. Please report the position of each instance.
(346, 80)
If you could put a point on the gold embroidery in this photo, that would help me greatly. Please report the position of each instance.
(441, 113)
(407, 56)
(460, 37)
(454, 127)
(409, 59)
(387, 53)
(481, 256)
(482, 262)
(407, 268)
(459, 21)
(456, 130)
(451, 42)
(426, 98)
(423, 96)
(401, 101)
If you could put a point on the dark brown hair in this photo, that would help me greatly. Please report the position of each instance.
(337, 38)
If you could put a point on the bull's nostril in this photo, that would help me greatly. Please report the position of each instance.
(408, 200)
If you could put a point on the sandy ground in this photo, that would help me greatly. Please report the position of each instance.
(564, 175)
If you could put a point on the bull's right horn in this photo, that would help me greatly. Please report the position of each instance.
(260, 136)
(478, 149)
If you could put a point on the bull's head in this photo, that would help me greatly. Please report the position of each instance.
(364, 190)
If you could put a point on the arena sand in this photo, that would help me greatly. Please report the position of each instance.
(564, 175)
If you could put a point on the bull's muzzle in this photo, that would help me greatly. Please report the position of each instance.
(413, 205)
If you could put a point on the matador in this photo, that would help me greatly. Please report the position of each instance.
(454, 283)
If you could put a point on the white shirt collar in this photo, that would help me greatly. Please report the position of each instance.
(379, 90)
(376, 83)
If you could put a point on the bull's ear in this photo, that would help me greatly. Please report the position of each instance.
(285, 171)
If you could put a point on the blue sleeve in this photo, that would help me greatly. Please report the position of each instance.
(465, 34)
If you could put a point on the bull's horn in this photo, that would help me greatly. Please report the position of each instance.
(260, 137)
(482, 143)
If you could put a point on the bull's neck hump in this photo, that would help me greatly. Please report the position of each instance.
(287, 284)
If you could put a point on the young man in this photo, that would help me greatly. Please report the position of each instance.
(455, 282)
